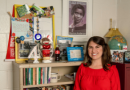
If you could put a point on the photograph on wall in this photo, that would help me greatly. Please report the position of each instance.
(117, 55)
(77, 17)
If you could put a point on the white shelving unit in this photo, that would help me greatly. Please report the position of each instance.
(61, 68)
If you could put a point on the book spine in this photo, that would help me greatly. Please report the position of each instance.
(34, 76)
(24, 77)
(43, 69)
(37, 74)
(43, 88)
(39, 77)
(31, 76)
(45, 75)
(49, 75)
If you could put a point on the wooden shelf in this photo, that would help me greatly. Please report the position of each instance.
(61, 68)
(53, 64)
(63, 81)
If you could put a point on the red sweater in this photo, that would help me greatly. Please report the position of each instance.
(97, 79)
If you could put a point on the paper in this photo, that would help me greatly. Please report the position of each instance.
(20, 28)
(45, 26)
(75, 53)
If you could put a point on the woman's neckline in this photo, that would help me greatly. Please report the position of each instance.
(95, 69)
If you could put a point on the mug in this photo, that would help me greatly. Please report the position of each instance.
(55, 77)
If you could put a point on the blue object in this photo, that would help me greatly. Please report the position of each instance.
(22, 38)
(38, 36)
(75, 53)
(117, 42)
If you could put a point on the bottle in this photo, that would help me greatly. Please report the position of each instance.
(57, 53)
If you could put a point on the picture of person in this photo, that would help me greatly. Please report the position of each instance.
(77, 18)
(117, 56)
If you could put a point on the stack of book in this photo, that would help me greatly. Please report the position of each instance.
(35, 76)
(60, 87)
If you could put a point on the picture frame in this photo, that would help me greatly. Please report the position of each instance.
(63, 42)
(127, 57)
(23, 50)
(75, 53)
(118, 55)
(66, 21)
(30, 16)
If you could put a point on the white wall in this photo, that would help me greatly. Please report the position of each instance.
(103, 10)
(123, 18)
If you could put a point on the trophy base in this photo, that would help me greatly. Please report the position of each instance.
(46, 61)
(35, 61)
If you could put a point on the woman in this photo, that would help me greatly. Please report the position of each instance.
(97, 73)
(77, 26)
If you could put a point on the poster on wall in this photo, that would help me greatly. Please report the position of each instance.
(77, 17)
(77, 21)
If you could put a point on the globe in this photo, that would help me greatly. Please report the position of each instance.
(117, 42)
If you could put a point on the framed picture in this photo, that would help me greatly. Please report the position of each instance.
(30, 16)
(127, 56)
(23, 50)
(63, 42)
(117, 55)
(75, 53)
(77, 19)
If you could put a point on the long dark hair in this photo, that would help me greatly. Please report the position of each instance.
(106, 56)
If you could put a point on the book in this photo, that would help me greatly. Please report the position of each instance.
(31, 76)
(67, 87)
(37, 74)
(29, 73)
(34, 76)
(24, 77)
(43, 88)
(43, 80)
(49, 75)
(45, 75)
(23, 10)
(63, 87)
(39, 77)
(49, 88)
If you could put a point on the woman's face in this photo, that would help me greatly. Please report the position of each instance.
(95, 51)
(78, 15)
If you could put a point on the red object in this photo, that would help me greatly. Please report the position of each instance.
(97, 79)
(57, 54)
(13, 34)
(46, 46)
(27, 20)
(10, 55)
(124, 73)
(46, 53)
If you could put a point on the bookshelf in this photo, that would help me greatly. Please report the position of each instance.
(61, 68)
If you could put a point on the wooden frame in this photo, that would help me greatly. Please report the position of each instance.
(53, 20)
(18, 56)
(66, 20)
